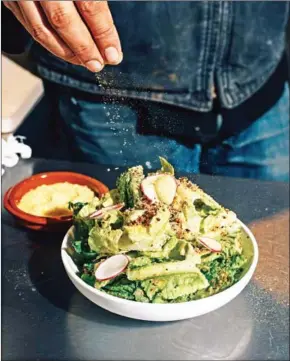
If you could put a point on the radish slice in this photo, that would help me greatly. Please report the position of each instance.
(111, 267)
(210, 243)
(148, 189)
(165, 187)
(101, 212)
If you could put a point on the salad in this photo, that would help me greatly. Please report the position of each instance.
(157, 238)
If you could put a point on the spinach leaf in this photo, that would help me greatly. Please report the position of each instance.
(89, 279)
(76, 207)
(77, 245)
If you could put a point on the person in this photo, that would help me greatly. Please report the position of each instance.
(201, 83)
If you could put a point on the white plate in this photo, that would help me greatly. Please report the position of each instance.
(159, 312)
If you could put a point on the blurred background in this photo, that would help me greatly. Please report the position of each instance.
(25, 110)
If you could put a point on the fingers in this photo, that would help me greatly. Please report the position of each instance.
(98, 17)
(43, 33)
(13, 6)
(81, 32)
(66, 21)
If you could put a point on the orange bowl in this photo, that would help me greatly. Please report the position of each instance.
(14, 194)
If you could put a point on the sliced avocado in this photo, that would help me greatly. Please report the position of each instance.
(135, 184)
(133, 215)
(220, 223)
(210, 257)
(89, 208)
(110, 198)
(128, 185)
(137, 238)
(153, 286)
(187, 193)
(167, 288)
(166, 249)
(165, 188)
(110, 218)
(184, 250)
(162, 269)
(208, 200)
(181, 250)
(104, 240)
(191, 193)
(140, 262)
(181, 285)
(209, 223)
(192, 219)
(159, 222)
(141, 238)
(140, 296)
(100, 284)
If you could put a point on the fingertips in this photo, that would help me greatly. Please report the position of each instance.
(98, 17)
(70, 27)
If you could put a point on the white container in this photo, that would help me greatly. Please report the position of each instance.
(21, 91)
(158, 312)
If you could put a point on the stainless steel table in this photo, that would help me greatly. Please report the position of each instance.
(45, 318)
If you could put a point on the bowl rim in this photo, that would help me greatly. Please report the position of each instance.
(11, 206)
(81, 283)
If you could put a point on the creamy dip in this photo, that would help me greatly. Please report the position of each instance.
(52, 200)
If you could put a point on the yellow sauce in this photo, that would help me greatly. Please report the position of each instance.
(52, 200)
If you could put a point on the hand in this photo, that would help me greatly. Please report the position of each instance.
(80, 32)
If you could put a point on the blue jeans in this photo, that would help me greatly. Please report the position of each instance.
(109, 133)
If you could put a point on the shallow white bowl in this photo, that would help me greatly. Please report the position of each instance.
(158, 312)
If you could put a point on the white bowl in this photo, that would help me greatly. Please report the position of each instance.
(159, 312)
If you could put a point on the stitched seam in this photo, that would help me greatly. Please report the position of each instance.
(171, 99)
(204, 35)
(215, 43)
(225, 30)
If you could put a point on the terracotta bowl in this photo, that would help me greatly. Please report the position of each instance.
(14, 194)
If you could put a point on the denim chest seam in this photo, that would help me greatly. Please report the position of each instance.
(223, 77)
(216, 37)
(211, 37)
(171, 99)
(203, 47)
(206, 58)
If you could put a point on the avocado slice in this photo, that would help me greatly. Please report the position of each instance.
(129, 184)
(163, 269)
(162, 289)
(104, 240)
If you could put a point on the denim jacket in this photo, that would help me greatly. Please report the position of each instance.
(178, 52)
